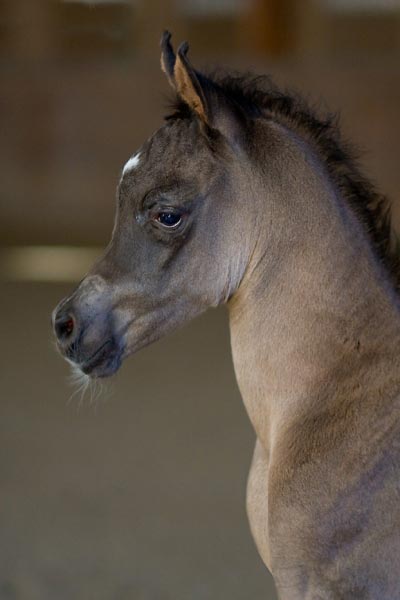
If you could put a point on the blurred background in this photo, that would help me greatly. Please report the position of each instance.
(137, 491)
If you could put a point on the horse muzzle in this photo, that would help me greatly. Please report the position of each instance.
(86, 338)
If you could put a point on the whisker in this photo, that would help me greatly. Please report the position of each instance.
(80, 380)
(85, 384)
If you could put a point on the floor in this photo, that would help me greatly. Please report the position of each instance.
(135, 493)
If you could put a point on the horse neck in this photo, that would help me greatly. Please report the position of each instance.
(313, 298)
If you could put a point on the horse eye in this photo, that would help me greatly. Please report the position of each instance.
(169, 219)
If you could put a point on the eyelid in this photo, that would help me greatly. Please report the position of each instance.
(166, 208)
(158, 208)
(157, 196)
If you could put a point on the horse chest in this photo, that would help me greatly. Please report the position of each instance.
(334, 541)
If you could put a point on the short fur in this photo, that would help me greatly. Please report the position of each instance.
(257, 96)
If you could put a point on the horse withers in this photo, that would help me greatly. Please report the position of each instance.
(245, 197)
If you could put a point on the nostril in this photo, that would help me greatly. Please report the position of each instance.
(64, 326)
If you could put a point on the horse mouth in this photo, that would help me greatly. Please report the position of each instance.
(105, 361)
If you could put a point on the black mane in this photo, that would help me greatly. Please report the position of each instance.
(258, 96)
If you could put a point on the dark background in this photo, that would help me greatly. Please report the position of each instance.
(137, 491)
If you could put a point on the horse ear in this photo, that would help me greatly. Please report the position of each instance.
(188, 85)
(168, 58)
(198, 92)
(182, 77)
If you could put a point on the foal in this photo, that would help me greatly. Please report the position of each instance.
(245, 197)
